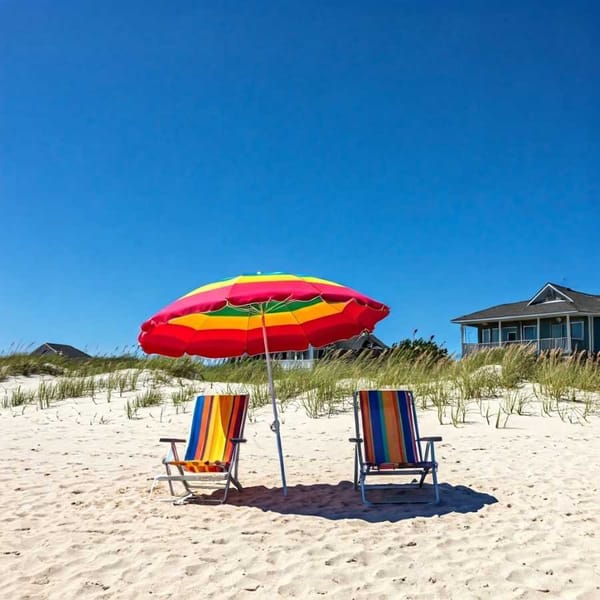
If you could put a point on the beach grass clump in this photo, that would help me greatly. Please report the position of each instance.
(71, 387)
(46, 392)
(178, 368)
(483, 382)
(556, 377)
(518, 365)
(242, 370)
(19, 397)
(259, 396)
(26, 365)
(131, 409)
(328, 388)
(436, 393)
(183, 395)
(124, 381)
(150, 397)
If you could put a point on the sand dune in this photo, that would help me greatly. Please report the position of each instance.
(518, 518)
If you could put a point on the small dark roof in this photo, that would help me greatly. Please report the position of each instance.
(364, 341)
(572, 302)
(61, 349)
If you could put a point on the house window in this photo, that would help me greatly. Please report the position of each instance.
(489, 336)
(577, 330)
(558, 330)
(529, 332)
(509, 334)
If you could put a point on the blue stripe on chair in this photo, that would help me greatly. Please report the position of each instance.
(378, 427)
(192, 442)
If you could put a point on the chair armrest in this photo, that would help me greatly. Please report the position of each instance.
(432, 438)
(356, 440)
(238, 440)
(172, 440)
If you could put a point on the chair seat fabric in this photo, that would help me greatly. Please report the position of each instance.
(415, 465)
(389, 427)
(199, 466)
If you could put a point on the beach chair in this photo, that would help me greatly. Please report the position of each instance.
(211, 455)
(389, 443)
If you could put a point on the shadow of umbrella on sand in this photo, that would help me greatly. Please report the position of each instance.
(260, 314)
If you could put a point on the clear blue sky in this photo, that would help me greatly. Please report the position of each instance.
(441, 157)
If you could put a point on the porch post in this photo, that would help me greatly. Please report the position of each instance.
(569, 334)
(538, 335)
(462, 339)
(591, 332)
(499, 333)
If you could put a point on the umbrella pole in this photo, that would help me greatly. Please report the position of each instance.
(275, 425)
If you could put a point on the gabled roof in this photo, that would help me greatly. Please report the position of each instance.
(61, 349)
(364, 341)
(564, 301)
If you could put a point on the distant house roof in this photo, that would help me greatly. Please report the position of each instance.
(551, 300)
(60, 349)
(364, 341)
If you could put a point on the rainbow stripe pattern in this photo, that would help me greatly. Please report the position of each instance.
(217, 420)
(226, 318)
(390, 430)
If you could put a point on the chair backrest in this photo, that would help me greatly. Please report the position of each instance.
(216, 420)
(389, 423)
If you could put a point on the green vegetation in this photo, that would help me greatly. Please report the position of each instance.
(497, 383)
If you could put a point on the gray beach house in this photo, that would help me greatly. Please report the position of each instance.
(555, 317)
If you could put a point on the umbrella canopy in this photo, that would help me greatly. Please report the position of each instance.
(260, 314)
(225, 319)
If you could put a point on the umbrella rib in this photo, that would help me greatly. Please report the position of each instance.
(280, 303)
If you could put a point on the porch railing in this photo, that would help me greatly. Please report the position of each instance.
(561, 343)
(295, 363)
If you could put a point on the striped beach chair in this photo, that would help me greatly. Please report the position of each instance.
(388, 442)
(210, 460)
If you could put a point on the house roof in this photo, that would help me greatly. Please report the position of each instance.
(564, 301)
(62, 349)
(360, 342)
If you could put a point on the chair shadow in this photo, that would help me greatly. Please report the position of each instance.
(342, 501)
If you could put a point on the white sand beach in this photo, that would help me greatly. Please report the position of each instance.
(518, 518)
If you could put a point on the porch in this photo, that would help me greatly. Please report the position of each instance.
(568, 334)
(539, 345)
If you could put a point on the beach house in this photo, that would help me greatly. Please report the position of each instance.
(554, 317)
(365, 342)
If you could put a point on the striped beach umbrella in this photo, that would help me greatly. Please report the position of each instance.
(260, 314)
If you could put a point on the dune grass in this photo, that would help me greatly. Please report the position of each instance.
(497, 383)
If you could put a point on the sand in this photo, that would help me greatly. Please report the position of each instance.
(518, 518)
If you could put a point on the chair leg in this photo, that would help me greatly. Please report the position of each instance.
(356, 467)
(169, 481)
(236, 483)
(363, 491)
(436, 489)
(154, 483)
